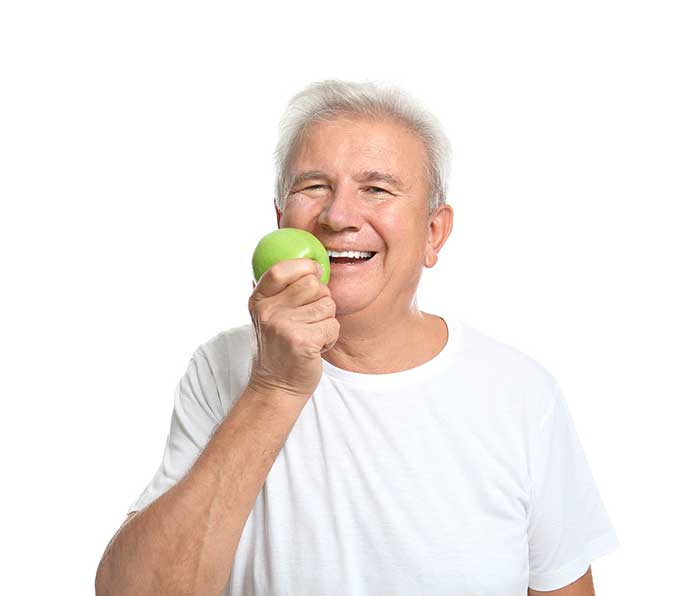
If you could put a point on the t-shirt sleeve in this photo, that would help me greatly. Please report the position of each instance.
(197, 412)
(568, 525)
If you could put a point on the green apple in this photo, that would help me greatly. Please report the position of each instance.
(289, 243)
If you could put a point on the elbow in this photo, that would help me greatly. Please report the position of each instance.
(104, 579)
(101, 583)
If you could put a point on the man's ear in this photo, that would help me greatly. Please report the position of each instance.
(278, 213)
(439, 230)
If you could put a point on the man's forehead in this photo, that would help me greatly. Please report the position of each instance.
(369, 150)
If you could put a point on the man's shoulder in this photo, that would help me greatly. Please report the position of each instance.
(237, 335)
(230, 346)
(501, 357)
(510, 376)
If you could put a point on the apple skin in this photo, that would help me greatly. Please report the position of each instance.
(289, 243)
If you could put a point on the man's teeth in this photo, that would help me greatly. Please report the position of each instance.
(353, 254)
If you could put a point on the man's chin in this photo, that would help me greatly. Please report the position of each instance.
(344, 308)
(346, 312)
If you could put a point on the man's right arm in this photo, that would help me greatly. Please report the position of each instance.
(186, 540)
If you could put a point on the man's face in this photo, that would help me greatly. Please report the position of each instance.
(360, 185)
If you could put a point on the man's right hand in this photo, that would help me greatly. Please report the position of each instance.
(293, 314)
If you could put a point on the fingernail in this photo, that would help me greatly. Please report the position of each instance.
(319, 269)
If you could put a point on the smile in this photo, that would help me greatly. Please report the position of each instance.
(350, 258)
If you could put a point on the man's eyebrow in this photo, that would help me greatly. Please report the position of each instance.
(308, 175)
(376, 176)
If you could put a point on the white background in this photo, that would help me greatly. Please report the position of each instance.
(136, 177)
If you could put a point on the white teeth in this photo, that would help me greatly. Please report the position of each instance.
(354, 254)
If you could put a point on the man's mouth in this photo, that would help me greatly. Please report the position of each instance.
(351, 257)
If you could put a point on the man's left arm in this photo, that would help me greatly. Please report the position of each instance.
(583, 586)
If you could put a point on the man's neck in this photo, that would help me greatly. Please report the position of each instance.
(394, 342)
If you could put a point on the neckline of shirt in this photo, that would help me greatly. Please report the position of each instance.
(403, 377)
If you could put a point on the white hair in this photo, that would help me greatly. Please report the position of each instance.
(330, 99)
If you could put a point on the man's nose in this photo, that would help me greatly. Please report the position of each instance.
(341, 209)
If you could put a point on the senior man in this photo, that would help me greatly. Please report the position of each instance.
(345, 442)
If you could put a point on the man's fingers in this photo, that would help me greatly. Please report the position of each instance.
(284, 273)
(331, 329)
(304, 290)
(319, 310)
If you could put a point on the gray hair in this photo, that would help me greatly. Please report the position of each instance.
(329, 99)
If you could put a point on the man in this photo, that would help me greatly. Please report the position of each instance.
(346, 442)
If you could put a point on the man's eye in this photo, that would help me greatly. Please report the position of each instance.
(315, 186)
(376, 190)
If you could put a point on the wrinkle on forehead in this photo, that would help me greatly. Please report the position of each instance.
(375, 154)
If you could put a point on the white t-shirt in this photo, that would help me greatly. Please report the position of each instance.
(462, 476)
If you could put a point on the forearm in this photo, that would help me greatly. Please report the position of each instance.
(186, 540)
